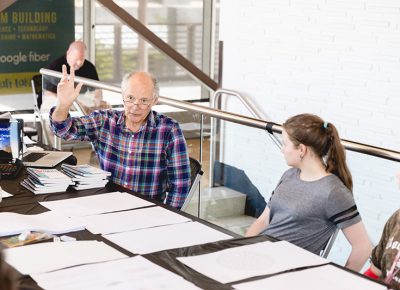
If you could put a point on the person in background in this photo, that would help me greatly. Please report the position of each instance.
(385, 257)
(314, 197)
(145, 151)
(75, 57)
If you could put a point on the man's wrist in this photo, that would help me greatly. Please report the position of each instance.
(62, 107)
(60, 113)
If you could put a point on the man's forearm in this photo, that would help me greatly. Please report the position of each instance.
(60, 113)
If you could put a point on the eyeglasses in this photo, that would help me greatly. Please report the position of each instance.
(131, 100)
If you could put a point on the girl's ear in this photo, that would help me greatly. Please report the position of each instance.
(303, 149)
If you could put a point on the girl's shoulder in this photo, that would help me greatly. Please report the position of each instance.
(291, 173)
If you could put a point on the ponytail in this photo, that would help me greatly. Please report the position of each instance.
(336, 158)
(323, 138)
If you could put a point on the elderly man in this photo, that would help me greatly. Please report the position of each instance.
(145, 151)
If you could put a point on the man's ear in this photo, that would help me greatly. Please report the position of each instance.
(155, 101)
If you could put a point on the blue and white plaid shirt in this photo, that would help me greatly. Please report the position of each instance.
(152, 161)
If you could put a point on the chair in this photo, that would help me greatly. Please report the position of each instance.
(237, 179)
(195, 176)
(325, 252)
(31, 131)
(36, 83)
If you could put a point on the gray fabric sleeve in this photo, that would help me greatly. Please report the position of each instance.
(341, 208)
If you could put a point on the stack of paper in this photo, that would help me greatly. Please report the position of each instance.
(41, 181)
(86, 176)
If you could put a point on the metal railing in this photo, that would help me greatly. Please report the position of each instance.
(215, 102)
(236, 118)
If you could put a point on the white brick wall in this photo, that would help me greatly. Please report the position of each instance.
(338, 59)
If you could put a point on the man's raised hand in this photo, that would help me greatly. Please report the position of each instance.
(66, 91)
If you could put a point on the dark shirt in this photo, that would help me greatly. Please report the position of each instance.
(383, 255)
(88, 70)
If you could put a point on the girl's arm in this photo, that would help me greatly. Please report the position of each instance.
(259, 225)
(373, 272)
(361, 246)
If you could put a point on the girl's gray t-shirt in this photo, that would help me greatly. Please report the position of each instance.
(306, 213)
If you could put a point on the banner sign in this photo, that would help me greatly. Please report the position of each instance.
(32, 34)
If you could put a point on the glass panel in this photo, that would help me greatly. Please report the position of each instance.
(179, 23)
(242, 180)
(196, 129)
(120, 50)
(376, 198)
(78, 19)
(88, 101)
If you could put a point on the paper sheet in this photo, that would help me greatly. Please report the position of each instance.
(96, 204)
(325, 277)
(28, 141)
(5, 194)
(130, 273)
(131, 220)
(49, 222)
(251, 260)
(166, 237)
(45, 257)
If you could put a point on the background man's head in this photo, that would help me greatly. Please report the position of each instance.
(76, 54)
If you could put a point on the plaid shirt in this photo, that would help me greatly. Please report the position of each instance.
(152, 161)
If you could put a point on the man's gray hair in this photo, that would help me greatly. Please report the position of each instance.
(156, 88)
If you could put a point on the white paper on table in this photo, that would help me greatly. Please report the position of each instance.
(130, 273)
(45, 257)
(166, 237)
(28, 141)
(49, 222)
(5, 194)
(251, 260)
(131, 220)
(96, 204)
(326, 277)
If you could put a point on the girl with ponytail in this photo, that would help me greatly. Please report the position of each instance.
(314, 197)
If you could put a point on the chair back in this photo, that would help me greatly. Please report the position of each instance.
(325, 252)
(195, 176)
(36, 83)
(37, 91)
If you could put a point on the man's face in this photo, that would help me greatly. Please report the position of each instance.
(138, 99)
(76, 58)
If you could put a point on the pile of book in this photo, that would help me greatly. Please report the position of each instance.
(86, 176)
(42, 181)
